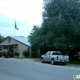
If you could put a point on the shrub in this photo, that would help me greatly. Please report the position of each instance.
(16, 54)
(34, 55)
(26, 53)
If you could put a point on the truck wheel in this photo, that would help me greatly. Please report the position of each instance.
(42, 60)
(52, 61)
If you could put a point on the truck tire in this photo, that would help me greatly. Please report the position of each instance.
(52, 61)
(42, 60)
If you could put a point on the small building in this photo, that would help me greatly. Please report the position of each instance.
(16, 43)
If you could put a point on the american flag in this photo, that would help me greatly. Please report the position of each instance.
(16, 26)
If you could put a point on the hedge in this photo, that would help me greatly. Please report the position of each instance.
(26, 53)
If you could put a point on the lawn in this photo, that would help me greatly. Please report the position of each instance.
(74, 63)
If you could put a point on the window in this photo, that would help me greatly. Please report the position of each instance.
(48, 53)
(9, 40)
(56, 53)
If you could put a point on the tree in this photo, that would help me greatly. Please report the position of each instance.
(60, 27)
(1, 38)
(34, 37)
(63, 17)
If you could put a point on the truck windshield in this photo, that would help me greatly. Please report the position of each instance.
(56, 53)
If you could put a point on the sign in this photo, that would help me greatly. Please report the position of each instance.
(76, 76)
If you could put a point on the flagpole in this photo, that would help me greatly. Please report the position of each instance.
(14, 37)
(15, 28)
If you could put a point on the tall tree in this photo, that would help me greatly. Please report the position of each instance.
(61, 25)
(1, 38)
(63, 18)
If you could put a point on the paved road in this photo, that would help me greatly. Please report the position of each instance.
(14, 69)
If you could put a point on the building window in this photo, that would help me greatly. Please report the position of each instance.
(9, 40)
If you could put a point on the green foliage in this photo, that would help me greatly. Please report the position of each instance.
(1, 38)
(34, 54)
(66, 9)
(35, 37)
(16, 54)
(26, 53)
(60, 27)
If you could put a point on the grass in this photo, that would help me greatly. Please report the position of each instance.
(74, 63)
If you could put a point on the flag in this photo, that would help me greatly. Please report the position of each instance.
(16, 26)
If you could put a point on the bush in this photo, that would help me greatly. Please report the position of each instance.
(34, 55)
(26, 53)
(16, 54)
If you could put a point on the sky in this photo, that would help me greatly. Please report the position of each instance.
(27, 13)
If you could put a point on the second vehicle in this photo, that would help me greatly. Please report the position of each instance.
(54, 57)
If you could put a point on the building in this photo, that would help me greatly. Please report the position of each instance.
(16, 43)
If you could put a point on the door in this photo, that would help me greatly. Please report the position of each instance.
(46, 58)
(49, 56)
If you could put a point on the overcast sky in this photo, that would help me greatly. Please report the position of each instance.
(26, 12)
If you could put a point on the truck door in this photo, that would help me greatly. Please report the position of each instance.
(46, 56)
(49, 56)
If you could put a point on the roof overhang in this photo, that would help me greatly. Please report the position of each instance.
(7, 44)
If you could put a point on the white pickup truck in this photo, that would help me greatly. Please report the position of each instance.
(54, 57)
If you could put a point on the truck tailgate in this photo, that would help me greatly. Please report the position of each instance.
(63, 58)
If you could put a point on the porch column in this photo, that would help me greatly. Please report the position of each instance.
(8, 47)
